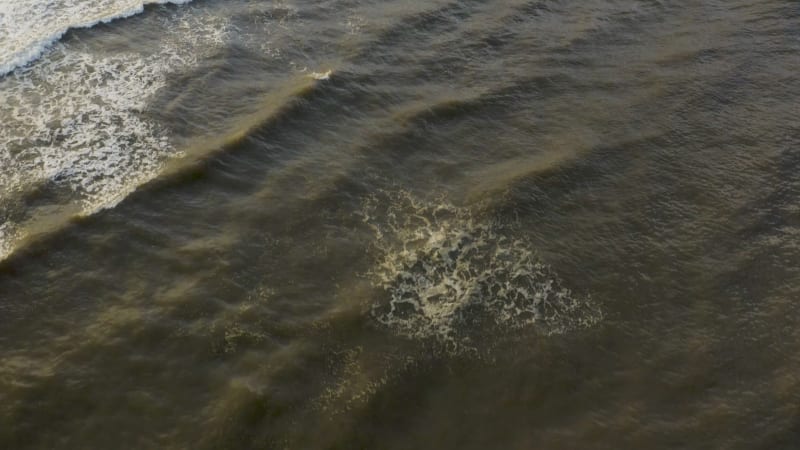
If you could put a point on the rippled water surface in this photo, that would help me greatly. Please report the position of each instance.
(399, 224)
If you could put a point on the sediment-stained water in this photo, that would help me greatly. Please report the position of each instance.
(250, 224)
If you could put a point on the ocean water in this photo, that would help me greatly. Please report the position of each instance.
(347, 224)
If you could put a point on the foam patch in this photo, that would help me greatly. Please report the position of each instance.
(451, 277)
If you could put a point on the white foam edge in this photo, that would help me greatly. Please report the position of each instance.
(34, 52)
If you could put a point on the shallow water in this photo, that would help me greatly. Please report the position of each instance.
(356, 224)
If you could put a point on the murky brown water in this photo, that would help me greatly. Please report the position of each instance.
(396, 224)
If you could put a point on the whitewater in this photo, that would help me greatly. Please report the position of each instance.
(75, 135)
(29, 27)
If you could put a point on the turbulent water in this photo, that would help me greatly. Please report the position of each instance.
(399, 224)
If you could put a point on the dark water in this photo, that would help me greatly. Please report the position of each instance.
(516, 225)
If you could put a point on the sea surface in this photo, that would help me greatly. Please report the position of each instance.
(399, 224)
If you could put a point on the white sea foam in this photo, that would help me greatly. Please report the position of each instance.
(29, 27)
(74, 121)
(448, 274)
(321, 75)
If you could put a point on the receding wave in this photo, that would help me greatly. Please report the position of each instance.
(450, 275)
(29, 27)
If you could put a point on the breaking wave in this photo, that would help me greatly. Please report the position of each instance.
(75, 127)
(450, 276)
(28, 28)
